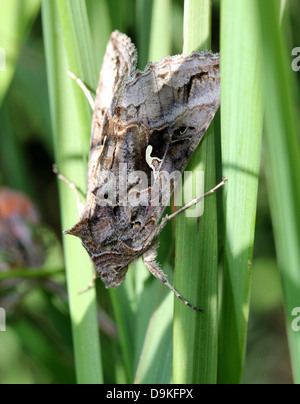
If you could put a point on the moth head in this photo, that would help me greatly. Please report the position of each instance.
(109, 259)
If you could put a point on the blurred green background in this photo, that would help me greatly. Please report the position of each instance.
(37, 346)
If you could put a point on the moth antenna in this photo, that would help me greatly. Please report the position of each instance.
(84, 88)
(149, 260)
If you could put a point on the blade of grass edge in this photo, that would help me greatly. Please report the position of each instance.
(68, 130)
(282, 160)
(16, 17)
(241, 124)
(160, 34)
(144, 10)
(196, 268)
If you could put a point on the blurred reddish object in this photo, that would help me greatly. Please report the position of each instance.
(15, 203)
(20, 244)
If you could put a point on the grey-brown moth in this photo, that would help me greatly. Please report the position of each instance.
(147, 122)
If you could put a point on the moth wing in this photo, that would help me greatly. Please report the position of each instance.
(165, 112)
(98, 227)
(119, 63)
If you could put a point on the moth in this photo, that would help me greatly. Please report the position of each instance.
(150, 122)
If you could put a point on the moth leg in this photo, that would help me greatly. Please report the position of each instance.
(167, 218)
(80, 205)
(149, 259)
(84, 88)
(90, 285)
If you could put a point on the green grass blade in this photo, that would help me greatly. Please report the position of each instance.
(77, 40)
(197, 25)
(160, 38)
(196, 269)
(99, 11)
(241, 120)
(282, 8)
(13, 163)
(144, 10)
(71, 128)
(30, 273)
(121, 13)
(282, 159)
(124, 315)
(155, 366)
(154, 313)
(16, 17)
